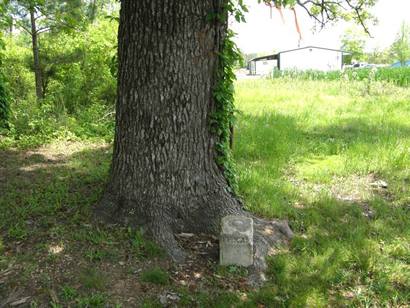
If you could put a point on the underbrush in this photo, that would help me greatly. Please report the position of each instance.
(35, 123)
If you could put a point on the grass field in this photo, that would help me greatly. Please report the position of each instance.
(317, 153)
(331, 157)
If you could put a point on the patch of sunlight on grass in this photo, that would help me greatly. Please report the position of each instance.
(320, 169)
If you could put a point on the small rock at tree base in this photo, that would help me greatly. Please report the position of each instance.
(236, 241)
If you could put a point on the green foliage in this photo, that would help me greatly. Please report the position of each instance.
(378, 56)
(79, 71)
(399, 76)
(17, 62)
(68, 293)
(51, 15)
(353, 41)
(81, 86)
(330, 11)
(156, 276)
(18, 232)
(400, 48)
(96, 300)
(223, 118)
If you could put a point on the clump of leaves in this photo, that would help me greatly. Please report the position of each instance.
(223, 118)
(18, 232)
(156, 276)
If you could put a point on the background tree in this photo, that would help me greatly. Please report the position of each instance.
(378, 56)
(4, 98)
(78, 74)
(170, 168)
(353, 41)
(400, 49)
(94, 8)
(40, 16)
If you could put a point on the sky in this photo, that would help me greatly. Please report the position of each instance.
(263, 34)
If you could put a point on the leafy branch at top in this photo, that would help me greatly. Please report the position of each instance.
(325, 11)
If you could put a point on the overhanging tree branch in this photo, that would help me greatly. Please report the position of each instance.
(324, 11)
(24, 27)
(42, 30)
(359, 16)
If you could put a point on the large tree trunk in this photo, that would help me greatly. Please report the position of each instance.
(36, 56)
(163, 175)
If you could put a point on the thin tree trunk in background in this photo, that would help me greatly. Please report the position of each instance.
(11, 27)
(36, 56)
(93, 10)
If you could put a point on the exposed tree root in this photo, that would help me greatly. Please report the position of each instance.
(269, 236)
(164, 236)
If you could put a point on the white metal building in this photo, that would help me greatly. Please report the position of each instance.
(305, 58)
(263, 66)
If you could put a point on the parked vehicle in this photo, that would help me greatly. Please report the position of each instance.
(398, 64)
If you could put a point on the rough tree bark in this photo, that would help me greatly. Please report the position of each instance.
(163, 174)
(36, 56)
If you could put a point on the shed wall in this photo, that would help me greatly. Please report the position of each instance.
(265, 67)
(311, 59)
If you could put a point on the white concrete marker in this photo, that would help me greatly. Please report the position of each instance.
(236, 241)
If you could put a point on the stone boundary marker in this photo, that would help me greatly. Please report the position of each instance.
(236, 241)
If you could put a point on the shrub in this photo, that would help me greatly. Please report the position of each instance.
(399, 76)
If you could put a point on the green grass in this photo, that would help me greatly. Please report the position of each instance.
(93, 279)
(300, 142)
(306, 151)
(156, 276)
